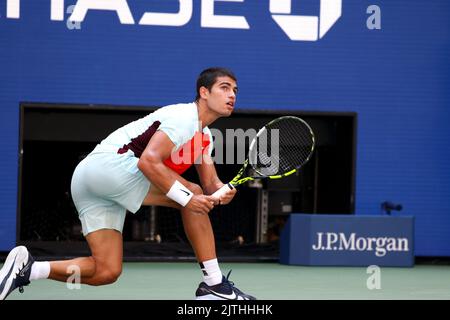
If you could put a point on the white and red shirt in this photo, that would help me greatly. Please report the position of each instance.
(181, 124)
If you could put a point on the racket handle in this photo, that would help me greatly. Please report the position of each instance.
(224, 189)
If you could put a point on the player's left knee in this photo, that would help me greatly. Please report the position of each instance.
(195, 188)
(108, 276)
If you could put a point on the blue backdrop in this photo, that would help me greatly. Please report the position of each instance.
(395, 78)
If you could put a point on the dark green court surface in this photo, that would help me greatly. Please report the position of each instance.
(271, 281)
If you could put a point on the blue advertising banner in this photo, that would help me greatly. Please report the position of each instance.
(347, 240)
(388, 61)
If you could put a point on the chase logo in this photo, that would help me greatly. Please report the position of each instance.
(306, 28)
(296, 27)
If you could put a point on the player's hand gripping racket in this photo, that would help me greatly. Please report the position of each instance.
(278, 150)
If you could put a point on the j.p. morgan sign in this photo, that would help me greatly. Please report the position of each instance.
(348, 240)
(352, 242)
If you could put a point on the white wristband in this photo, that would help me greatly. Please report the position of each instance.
(179, 193)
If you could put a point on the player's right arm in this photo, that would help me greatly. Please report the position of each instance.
(151, 164)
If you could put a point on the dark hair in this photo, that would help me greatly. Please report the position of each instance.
(209, 76)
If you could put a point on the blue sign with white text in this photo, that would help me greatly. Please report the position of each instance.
(347, 240)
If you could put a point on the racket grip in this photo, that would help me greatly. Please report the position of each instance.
(224, 189)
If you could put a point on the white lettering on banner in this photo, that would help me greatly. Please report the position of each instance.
(296, 27)
(331, 240)
(13, 9)
(209, 20)
(341, 242)
(120, 6)
(57, 10)
(280, 6)
(306, 28)
(169, 19)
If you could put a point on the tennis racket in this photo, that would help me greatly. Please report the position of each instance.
(278, 150)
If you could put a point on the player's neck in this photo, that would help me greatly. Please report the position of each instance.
(205, 116)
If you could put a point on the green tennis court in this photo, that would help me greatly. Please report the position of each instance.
(267, 281)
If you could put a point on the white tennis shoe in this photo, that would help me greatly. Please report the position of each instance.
(16, 271)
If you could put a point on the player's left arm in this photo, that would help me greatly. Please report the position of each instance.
(210, 181)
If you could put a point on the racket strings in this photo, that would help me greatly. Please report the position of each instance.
(283, 146)
(297, 143)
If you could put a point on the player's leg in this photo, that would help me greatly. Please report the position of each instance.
(103, 188)
(215, 286)
(197, 227)
(200, 233)
(104, 266)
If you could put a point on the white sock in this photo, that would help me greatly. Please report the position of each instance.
(40, 270)
(211, 272)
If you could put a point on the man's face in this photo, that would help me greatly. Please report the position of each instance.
(222, 97)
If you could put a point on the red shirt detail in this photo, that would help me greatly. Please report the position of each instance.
(187, 154)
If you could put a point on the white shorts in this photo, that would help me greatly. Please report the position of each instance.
(106, 185)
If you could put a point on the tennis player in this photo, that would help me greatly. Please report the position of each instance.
(141, 164)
